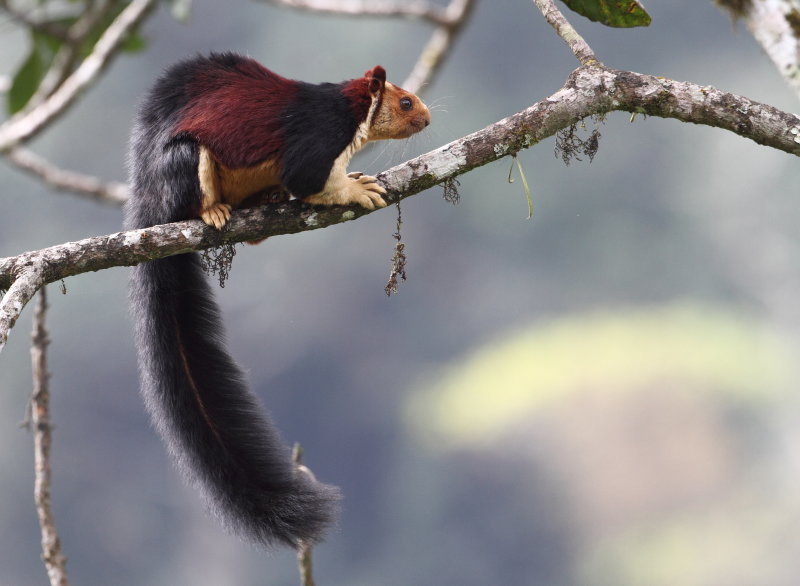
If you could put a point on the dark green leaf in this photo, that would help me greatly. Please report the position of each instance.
(133, 43)
(618, 13)
(32, 71)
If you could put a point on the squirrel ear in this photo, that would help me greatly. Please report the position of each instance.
(377, 79)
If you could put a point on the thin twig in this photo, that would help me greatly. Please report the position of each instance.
(420, 9)
(54, 559)
(449, 22)
(439, 45)
(579, 47)
(110, 192)
(22, 127)
(305, 563)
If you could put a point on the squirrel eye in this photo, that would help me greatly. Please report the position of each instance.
(406, 103)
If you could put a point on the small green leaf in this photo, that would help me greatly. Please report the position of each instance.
(30, 74)
(134, 42)
(617, 13)
(25, 82)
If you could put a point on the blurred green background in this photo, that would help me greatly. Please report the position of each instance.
(603, 395)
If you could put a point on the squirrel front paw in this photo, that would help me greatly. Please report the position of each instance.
(354, 188)
(366, 191)
(216, 215)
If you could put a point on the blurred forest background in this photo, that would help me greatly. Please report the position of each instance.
(604, 395)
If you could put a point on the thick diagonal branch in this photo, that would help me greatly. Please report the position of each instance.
(591, 90)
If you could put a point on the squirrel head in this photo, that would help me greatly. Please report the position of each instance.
(392, 112)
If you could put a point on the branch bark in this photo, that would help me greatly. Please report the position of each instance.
(589, 91)
(54, 560)
(579, 47)
(64, 179)
(775, 24)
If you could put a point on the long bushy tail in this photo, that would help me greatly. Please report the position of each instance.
(215, 428)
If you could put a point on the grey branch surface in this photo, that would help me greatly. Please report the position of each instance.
(55, 561)
(67, 180)
(579, 47)
(589, 90)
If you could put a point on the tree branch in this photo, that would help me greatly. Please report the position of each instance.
(579, 47)
(775, 24)
(26, 125)
(590, 90)
(20, 291)
(438, 46)
(410, 9)
(448, 21)
(68, 54)
(109, 192)
(54, 559)
(305, 562)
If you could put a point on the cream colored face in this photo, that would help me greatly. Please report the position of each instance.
(400, 115)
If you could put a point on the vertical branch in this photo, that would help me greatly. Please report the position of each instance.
(54, 560)
(304, 561)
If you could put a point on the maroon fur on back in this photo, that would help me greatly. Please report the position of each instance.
(236, 112)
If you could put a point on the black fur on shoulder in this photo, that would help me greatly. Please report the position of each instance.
(318, 126)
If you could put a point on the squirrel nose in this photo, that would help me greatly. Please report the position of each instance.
(426, 117)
